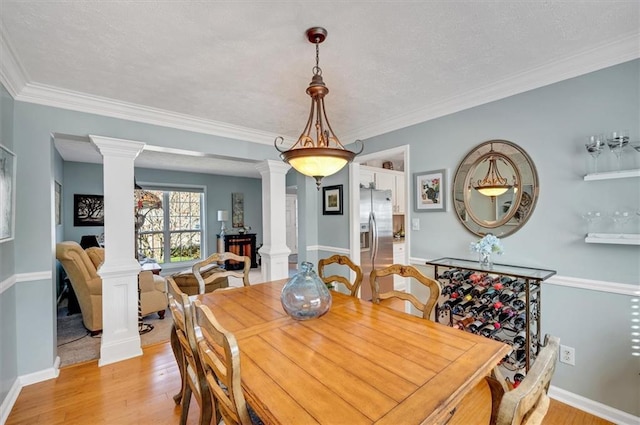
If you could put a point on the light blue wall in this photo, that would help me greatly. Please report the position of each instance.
(83, 178)
(8, 338)
(34, 246)
(552, 124)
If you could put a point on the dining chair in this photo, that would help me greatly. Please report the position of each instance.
(220, 358)
(342, 260)
(184, 342)
(221, 257)
(528, 403)
(406, 271)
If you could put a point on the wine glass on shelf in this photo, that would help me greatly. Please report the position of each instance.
(594, 146)
(617, 142)
(591, 217)
(620, 218)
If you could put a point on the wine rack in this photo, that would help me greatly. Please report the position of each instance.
(502, 303)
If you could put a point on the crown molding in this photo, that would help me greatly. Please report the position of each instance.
(52, 96)
(623, 49)
(12, 74)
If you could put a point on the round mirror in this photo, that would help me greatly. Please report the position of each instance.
(495, 188)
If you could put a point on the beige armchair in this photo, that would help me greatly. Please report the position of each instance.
(81, 267)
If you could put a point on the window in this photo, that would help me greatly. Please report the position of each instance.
(173, 233)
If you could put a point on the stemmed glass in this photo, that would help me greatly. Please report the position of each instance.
(620, 217)
(594, 147)
(590, 217)
(617, 142)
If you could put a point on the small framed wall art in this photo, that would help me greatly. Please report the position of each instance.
(332, 200)
(430, 191)
(88, 210)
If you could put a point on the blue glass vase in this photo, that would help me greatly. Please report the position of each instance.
(305, 296)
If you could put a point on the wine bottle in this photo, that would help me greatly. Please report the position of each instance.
(490, 329)
(464, 289)
(518, 286)
(476, 278)
(506, 280)
(506, 296)
(463, 323)
(520, 340)
(448, 289)
(478, 309)
(475, 326)
(505, 315)
(447, 273)
(519, 303)
(519, 321)
(461, 308)
(478, 291)
(517, 379)
(450, 303)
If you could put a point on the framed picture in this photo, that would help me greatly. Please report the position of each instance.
(58, 201)
(430, 191)
(332, 200)
(237, 209)
(88, 210)
(7, 194)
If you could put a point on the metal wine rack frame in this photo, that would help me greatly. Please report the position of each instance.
(532, 277)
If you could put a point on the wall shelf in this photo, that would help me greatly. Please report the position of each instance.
(613, 238)
(612, 175)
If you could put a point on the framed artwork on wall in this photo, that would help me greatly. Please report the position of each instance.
(237, 209)
(430, 191)
(332, 200)
(88, 210)
(7, 194)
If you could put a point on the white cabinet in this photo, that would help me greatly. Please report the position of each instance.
(384, 179)
(399, 257)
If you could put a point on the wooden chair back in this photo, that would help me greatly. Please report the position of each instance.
(220, 257)
(187, 335)
(220, 357)
(528, 403)
(343, 261)
(406, 271)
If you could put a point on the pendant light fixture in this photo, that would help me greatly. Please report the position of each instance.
(493, 184)
(325, 155)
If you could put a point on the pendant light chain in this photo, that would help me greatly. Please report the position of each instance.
(316, 69)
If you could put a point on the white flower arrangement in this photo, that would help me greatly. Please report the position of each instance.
(489, 244)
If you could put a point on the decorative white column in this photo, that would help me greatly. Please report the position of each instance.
(274, 253)
(119, 272)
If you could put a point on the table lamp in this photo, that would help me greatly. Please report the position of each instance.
(223, 216)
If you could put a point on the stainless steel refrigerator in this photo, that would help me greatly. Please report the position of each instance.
(376, 237)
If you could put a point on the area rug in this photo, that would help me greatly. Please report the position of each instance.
(76, 345)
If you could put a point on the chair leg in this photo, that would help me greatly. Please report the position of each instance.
(186, 402)
(161, 314)
(206, 410)
(178, 354)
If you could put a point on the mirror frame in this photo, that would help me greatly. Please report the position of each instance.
(525, 174)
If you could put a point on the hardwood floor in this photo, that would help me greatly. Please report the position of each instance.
(140, 390)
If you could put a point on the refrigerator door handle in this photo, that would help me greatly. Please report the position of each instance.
(374, 233)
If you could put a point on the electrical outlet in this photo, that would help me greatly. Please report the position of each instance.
(568, 355)
(415, 224)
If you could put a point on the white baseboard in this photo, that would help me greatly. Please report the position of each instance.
(42, 375)
(603, 411)
(9, 401)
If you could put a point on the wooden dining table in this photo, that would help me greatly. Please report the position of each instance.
(360, 363)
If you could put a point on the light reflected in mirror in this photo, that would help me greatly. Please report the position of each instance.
(495, 188)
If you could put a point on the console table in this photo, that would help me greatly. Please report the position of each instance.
(239, 244)
(489, 302)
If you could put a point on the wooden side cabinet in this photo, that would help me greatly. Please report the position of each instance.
(240, 245)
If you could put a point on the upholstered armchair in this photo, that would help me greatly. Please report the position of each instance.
(81, 267)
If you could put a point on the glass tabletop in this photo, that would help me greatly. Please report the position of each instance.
(516, 271)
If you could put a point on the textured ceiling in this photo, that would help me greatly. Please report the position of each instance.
(245, 65)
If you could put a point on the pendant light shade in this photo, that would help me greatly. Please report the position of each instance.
(325, 155)
(493, 184)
